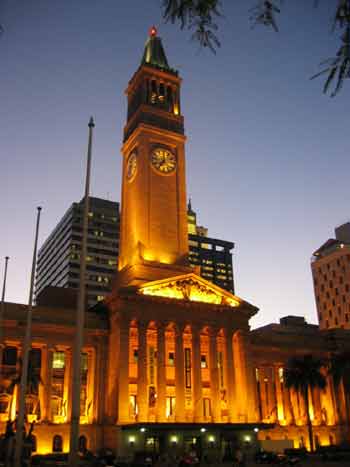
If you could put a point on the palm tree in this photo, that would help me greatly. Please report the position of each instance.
(339, 370)
(304, 373)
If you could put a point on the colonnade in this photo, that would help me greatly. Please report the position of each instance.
(203, 370)
(54, 389)
(286, 406)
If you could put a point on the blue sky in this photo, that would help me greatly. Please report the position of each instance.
(267, 152)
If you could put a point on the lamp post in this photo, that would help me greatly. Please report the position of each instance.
(80, 318)
(25, 358)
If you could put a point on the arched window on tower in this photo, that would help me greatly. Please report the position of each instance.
(153, 91)
(161, 96)
(57, 444)
(170, 99)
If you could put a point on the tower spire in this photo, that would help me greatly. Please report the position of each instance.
(154, 54)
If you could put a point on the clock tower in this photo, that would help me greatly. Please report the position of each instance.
(154, 237)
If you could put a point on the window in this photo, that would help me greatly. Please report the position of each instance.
(9, 356)
(57, 444)
(35, 358)
(58, 362)
(136, 355)
(133, 405)
(206, 407)
(188, 368)
(203, 361)
(84, 362)
(281, 374)
(171, 359)
(170, 406)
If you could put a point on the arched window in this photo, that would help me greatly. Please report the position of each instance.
(170, 98)
(161, 92)
(153, 91)
(57, 444)
(82, 444)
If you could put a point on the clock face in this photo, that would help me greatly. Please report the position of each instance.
(163, 160)
(131, 166)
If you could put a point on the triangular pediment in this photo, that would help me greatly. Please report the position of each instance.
(190, 287)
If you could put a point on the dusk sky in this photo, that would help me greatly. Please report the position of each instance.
(267, 153)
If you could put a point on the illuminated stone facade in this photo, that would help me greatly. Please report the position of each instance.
(169, 361)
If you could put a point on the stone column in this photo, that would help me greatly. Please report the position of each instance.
(43, 384)
(67, 391)
(316, 403)
(91, 356)
(142, 386)
(123, 372)
(197, 375)
(252, 404)
(48, 383)
(161, 373)
(272, 405)
(214, 376)
(279, 395)
(179, 375)
(230, 376)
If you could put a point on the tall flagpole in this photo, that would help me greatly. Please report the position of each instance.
(2, 309)
(80, 318)
(25, 357)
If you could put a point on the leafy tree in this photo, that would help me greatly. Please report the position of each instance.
(303, 374)
(200, 16)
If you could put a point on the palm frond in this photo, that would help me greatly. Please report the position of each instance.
(265, 13)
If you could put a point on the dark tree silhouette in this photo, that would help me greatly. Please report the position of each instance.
(339, 369)
(304, 373)
(200, 16)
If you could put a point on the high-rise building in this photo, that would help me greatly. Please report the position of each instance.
(214, 256)
(59, 256)
(330, 265)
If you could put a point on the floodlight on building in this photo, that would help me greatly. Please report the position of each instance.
(256, 429)
(203, 430)
(174, 439)
(143, 429)
(132, 440)
(247, 438)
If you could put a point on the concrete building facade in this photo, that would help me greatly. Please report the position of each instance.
(330, 266)
(59, 257)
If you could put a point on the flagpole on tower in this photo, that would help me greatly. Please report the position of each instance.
(80, 318)
(25, 356)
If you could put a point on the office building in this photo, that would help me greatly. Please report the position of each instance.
(330, 265)
(59, 257)
(213, 256)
